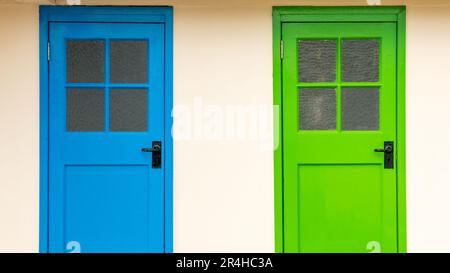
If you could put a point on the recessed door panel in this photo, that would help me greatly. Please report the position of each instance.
(334, 204)
(92, 192)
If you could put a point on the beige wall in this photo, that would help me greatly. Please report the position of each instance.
(223, 200)
(428, 128)
(19, 128)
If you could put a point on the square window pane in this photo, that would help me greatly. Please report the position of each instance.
(128, 110)
(317, 109)
(360, 60)
(360, 109)
(317, 60)
(129, 61)
(85, 61)
(85, 110)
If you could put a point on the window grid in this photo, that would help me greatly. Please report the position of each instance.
(106, 85)
(339, 84)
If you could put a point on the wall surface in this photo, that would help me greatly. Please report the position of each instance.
(19, 130)
(223, 186)
(428, 128)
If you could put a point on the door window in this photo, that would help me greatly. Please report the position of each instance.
(85, 61)
(337, 79)
(127, 103)
(85, 110)
(129, 61)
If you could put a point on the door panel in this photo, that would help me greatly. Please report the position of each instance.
(106, 104)
(335, 203)
(107, 207)
(339, 104)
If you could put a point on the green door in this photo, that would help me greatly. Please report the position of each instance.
(339, 105)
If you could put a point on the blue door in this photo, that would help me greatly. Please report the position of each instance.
(106, 118)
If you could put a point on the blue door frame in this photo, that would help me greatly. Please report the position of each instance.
(49, 14)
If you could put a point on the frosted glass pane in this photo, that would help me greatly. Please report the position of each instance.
(317, 109)
(129, 61)
(128, 110)
(360, 109)
(360, 60)
(317, 60)
(85, 61)
(85, 110)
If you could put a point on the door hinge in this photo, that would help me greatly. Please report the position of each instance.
(48, 51)
(281, 49)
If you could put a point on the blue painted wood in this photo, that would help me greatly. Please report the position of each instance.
(168, 132)
(104, 194)
(43, 132)
(112, 154)
(109, 14)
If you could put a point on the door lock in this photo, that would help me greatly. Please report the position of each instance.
(388, 151)
(156, 154)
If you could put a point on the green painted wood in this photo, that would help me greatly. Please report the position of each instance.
(294, 18)
(328, 172)
(401, 132)
(278, 129)
(338, 196)
(342, 11)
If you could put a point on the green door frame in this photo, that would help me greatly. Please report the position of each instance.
(340, 14)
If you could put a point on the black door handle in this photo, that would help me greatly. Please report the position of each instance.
(388, 151)
(156, 154)
(154, 149)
